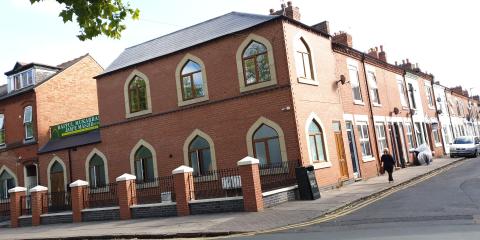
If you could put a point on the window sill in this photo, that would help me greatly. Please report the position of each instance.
(136, 114)
(2, 146)
(438, 144)
(30, 140)
(431, 107)
(246, 88)
(376, 104)
(308, 81)
(405, 108)
(320, 165)
(358, 102)
(368, 158)
(192, 101)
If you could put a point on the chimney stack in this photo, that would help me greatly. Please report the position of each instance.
(322, 27)
(373, 52)
(382, 55)
(289, 11)
(343, 38)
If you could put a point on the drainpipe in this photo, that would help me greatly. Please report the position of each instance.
(437, 115)
(371, 111)
(414, 135)
(69, 167)
(449, 116)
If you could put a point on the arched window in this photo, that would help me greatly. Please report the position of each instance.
(200, 157)
(266, 145)
(6, 182)
(96, 171)
(255, 63)
(143, 162)
(303, 60)
(27, 122)
(137, 95)
(316, 144)
(192, 81)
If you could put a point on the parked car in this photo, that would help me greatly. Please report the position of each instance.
(467, 146)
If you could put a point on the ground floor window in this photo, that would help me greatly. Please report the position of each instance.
(6, 182)
(419, 134)
(446, 135)
(410, 135)
(266, 145)
(144, 165)
(364, 139)
(200, 157)
(96, 171)
(435, 133)
(381, 137)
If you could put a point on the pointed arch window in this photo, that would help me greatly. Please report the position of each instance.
(96, 171)
(255, 63)
(316, 143)
(6, 182)
(143, 162)
(266, 145)
(303, 59)
(200, 156)
(192, 81)
(137, 95)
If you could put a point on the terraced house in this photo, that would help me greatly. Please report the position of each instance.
(264, 86)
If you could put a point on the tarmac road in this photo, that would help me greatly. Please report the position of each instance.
(446, 206)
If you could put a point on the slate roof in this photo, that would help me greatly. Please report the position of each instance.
(187, 37)
(72, 141)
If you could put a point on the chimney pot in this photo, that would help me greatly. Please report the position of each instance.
(396, 64)
(376, 49)
(289, 3)
(381, 48)
(272, 11)
(408, 61)
(282, 5)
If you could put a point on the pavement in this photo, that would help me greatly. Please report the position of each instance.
(446, 205)
(227, 223)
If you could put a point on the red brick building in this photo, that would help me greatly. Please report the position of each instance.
(36, 97)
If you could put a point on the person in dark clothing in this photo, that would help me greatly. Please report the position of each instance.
(388, 163)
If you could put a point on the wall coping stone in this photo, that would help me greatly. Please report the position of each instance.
(99, 209)
(248, 161)
(279, 190)
(216, 199)
(38, 188)
(56, 214)
(153, 205)
(78, 183)
(17, 189)
(182, 169)
(125, 177)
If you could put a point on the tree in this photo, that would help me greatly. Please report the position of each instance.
(97, 17)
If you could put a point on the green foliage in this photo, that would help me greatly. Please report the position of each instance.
(97, 17)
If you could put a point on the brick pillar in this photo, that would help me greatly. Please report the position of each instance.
(77, 195)
(183, 182)
(251, 187)
(127, 192)
(37, 197)
(16, 204)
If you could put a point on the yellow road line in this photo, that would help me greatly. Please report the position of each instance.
(342, 211)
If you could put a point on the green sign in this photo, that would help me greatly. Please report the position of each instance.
(75, 127)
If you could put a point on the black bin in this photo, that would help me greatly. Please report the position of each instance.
(307, 183)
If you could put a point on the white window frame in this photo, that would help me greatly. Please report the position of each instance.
(428, 92)
(436, 136)
(381, 139)
(355, 80)
(27, 122)
(402, 92)
(365, 139)
(410, 137)
(2, 129)
(373, 87)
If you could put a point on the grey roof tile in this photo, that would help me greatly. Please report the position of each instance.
(187, 37)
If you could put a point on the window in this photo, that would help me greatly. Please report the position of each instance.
(355, 83)
(6, 182)
(303, 60)
(381, 137)
(316, 144)
(401, 90)
(411, 95)
(446, 134)
(266, 145)
(410, 135)
(192, 81)
(200, 157)
(255, 64)
(137, 95)
(27, 122)
(364, 139)
(23, 79)
(2, 129)
(143, 164)
(419, 134)
(372, 82)
(17, 82)
(428, 91)
(435, 133)
(96, 171)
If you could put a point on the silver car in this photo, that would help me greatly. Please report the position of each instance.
(465, 146)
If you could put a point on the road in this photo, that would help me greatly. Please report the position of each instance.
(446, 206)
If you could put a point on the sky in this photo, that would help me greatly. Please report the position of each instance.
(441, 36)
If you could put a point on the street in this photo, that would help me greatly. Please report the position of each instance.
(446, 206)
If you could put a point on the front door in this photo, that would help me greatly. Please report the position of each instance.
(353, 149)
(337, 129)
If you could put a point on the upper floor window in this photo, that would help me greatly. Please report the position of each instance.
(23, 79)
(2, 129)
(411, 95)
(303, 60)
(428, 91)
(316, 144)
(255, 63)
(200, 157)
(137, 94)
(28, 122)
(372, 82)
(355, 83)
(266, 145)
(401, 90)
(192, 80)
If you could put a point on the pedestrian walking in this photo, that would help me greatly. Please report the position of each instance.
(388, 163)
